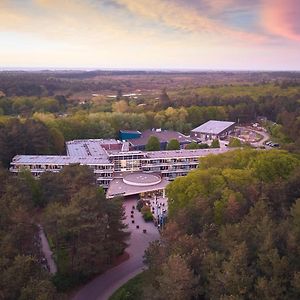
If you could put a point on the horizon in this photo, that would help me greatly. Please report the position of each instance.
(162, 70)
(160, 34)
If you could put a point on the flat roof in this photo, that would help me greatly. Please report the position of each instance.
(164, 136)
(104, 159)
(90, 147)
(185, 153)
(58, 160)
(142, 179)
(213, 127)
(118, 187)
(129, 131)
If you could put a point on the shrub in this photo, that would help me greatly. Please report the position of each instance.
(139, 205)
(147, 214)
(234, 142)
(215, 144)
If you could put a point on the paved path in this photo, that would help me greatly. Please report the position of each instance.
(265, 138)
(103, 286)
(47, 251)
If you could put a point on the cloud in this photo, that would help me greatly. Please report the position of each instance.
(182, 15)
(77, 22)
(282, 18)
(137, 33)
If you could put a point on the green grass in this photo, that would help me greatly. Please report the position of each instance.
(131, 290)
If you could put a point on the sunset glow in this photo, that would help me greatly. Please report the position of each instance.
(159, 34)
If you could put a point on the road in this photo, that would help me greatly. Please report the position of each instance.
(103, 286)
(264, 134)
(265, 138)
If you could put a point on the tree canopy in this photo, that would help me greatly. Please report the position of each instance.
(232, 233)
(215, 144)
(173, 145)
(234, 143)
(85, 231)
(153, 144)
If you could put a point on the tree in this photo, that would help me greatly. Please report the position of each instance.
(194, 145)
(164, 99)
(119, 94)
(24, 279)
(215, 144)
(87, 230)
(234, 143)
(153, 144)
(176, 281)
(57, 140)
(173, 145)
(236, 245)
(120, 106)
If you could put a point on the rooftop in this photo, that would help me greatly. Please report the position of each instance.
(164, 136)
(142, 179)
(91, 147)
(58, 160)
(213, 127)
(184, 153)
(103, 159)
(130, 131)
(136, 183)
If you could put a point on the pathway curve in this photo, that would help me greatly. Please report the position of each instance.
(265, 138)
(103, 286)
(47, 251)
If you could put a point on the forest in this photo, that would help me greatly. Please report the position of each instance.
(233, 232)
(84, 230)
(42, 124)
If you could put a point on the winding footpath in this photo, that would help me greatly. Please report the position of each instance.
(47, 251)
(103, 286)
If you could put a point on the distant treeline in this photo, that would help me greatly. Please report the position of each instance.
(49, 83)
(40, 125)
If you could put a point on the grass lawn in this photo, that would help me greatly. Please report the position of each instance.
(131, 290)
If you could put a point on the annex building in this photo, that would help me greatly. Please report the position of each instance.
(140, 141)
(213, 130)
(118, 169)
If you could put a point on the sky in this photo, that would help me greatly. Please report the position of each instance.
(150, 34)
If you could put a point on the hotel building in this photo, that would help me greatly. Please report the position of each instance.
(112, 159)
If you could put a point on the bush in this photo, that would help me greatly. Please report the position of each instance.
(203, 146)
(153, 144)
(234, 142)
(173, 145)
(194, 145)
(147, 214)
(65, 282)
(139, 205)
(215, 144)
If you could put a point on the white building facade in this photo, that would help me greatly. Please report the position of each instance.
(107, 157)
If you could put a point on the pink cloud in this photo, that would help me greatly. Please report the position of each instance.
(282, 17)
(182, 15)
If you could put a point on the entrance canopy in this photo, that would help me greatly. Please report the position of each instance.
(135, 184)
